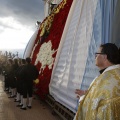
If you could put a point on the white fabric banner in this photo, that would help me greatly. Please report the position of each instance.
(30, 45)
(72, 57)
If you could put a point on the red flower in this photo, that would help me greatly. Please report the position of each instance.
(54, 35)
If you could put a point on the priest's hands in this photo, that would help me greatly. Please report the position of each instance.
(80, 92)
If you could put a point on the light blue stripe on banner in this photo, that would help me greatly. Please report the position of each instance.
(115, 33)
(96, 35)
(90, 70)
(101, 34)
(108, 10)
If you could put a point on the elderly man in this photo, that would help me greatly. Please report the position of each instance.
(102, 99)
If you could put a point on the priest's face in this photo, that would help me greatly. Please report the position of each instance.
(100, 58)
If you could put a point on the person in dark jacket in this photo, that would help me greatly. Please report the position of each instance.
(6, 69)
(29, 73)
(20, 83)
(10, 74)
(13, 77)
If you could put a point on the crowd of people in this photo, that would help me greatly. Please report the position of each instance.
(100, 102)
(19, 75)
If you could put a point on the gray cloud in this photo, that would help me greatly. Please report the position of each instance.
(7, 26)
(26, 12)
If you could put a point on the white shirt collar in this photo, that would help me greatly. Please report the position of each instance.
(112, 67)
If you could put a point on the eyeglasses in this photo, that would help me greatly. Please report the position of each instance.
(99, 53)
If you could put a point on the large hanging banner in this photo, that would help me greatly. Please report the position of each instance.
(30, 45)
(89, 26)
(76, 52)
(46, 45)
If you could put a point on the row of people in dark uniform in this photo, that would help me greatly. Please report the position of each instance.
(19, 77)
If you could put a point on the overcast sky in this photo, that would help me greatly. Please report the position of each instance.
(17, 21)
